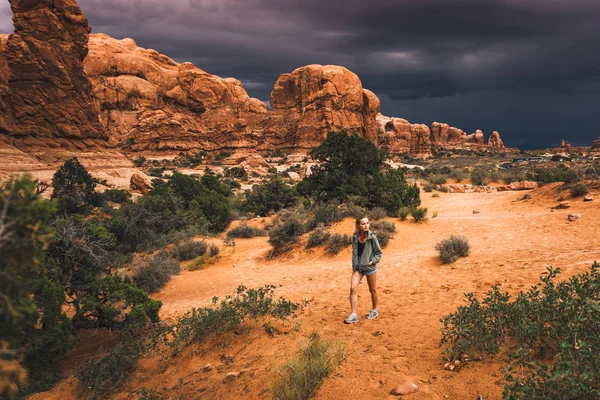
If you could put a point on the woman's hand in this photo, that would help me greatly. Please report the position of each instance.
(370, 263)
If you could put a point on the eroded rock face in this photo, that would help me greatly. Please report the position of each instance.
(494, 142)
(150, 102)
(476, 138)
(596, 144)
(45, 96)
(398, 136)
(316, 99)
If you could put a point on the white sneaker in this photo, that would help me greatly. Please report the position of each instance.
(352, 318)
(373, 314)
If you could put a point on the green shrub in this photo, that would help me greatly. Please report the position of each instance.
(74, 187)
(453, 248)
(189, 250)
(438, 179)
(579, 189)
(376, 213)
(336, 242)
(228, 314)
(478, 177)
(117, 195)
(317, 237)
(428, 188)
(284, 234)
(550, 333)
(419, 214)
(138, 162)
(154, 274)
(244, 230)
(302, 375)
(458, 175)
(324, 214)
(384, 230)
(213, 250)
(269, 197)
(443, 189)
(237, 172)
(403, 213)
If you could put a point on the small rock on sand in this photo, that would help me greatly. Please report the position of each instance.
(405, 388)
(207, 367)
(562, 205)
(574, 216)
(231, 376)
(588, 197)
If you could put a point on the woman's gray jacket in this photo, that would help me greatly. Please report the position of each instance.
(371, 252)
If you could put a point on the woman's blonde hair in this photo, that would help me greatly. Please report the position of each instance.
(357, 223)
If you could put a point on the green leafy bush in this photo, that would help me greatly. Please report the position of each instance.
(302, 375)
(237, 172)
(336, 242)
(189, 250)
(550, 333)
(478, 177)
(579, 189)
(419, 214)
(117, 195)
(244, 230)
(452, 249)
(317, 237)
(138, 162)
(154, 274)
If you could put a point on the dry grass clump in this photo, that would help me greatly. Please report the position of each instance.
(419, 214)
(302, 375)
(452, 249)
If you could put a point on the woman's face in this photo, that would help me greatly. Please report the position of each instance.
(364, 225)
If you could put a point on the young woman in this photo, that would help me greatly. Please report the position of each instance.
(366, 253)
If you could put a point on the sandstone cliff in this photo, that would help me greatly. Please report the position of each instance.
(398, 136)
(45, 96)
(316, 99)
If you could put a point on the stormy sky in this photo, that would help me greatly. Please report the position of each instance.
(527, 68)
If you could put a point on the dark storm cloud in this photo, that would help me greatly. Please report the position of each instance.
(465, 62)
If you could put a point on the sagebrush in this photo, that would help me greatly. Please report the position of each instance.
(452, 249)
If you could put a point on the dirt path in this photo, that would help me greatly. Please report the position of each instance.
(512, 243)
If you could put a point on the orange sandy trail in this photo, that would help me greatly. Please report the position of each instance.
(512, 243)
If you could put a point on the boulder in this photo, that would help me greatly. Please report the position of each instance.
(45, 95)
(404, 389)
(294, 176)
(574, 216)
(588, 197)
(523, 185)
(140, 183)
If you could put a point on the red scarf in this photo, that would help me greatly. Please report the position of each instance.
(362, 237)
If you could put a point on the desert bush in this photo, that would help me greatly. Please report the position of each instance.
(579, 189)
(549, 331)
(453, 248)
(443, 189)
(228, 314)
(236, 172)
(478, 177)
(317, 237)
(384, 230)
(428, 188)
(403, 213)
(284, 234)
(324, 214)
(350, 209)
(336, 242)
(459, 175)
(116, 195)
(246, 231)
(155, 273)
(189, 250)
(138, 162)
(438, 179)
(376, 213)
(419, 214)
(99, 377)
(302, 375)
(213, 250)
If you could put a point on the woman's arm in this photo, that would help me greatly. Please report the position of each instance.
(377, 253)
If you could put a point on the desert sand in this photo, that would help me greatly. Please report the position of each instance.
(512, 243)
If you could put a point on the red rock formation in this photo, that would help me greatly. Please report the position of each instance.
(398, 136)
(45, 96)
(150, 102)
(494, 142)
(565, 145)
(596, 144)
(316, 99)
(476, 138)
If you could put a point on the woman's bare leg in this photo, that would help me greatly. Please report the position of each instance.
(355, 281)
(372, 281)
